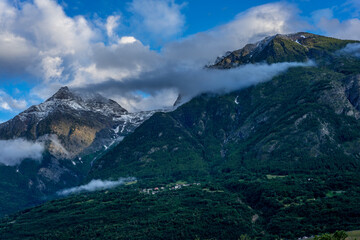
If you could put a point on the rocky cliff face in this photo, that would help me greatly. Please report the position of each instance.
(73, 123)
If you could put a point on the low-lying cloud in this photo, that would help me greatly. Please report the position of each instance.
(352, 49)
(190, 82)
(95, 185)
(13, 152)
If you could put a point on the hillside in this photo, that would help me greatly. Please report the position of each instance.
(278, 160)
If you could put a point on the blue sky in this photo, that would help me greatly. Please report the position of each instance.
(45, 44)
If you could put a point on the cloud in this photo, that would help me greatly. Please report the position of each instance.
(164, 75)
(190, 82)
(112, 22)
(348, 29)
(37, 31)
(249, 26)
(161, 18)
(52, 67)
(16, 150)
(124, 58)
(352, 49)
(96, 185)
(9, 103)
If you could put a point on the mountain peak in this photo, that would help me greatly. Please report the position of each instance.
(295, 47)
(62, 93)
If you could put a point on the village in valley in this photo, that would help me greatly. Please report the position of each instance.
(170, 187)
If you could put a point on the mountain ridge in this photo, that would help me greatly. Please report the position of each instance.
(295, 47)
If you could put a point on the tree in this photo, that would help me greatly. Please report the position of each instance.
(338, 235)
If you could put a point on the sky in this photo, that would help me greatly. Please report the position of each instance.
(143, 53)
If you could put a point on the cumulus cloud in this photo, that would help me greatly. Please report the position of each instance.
(13, 152)
(124, 58)
(161, 18)
(37, 31)
(95, 185)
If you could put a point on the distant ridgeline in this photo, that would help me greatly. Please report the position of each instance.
(279, 160)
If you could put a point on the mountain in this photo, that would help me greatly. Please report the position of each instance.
(278, 160)
(73, 123)
(298, 47)
(305, 119)
(76, 128)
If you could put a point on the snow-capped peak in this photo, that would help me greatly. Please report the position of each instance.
(66, 100)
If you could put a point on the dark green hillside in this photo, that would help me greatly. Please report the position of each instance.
(297, 47)
(128, 214)
(256, 205)
(304, 120)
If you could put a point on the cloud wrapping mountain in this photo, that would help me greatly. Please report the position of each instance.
(352, 49)
(13, 152)
(95, 185)
(193, 81)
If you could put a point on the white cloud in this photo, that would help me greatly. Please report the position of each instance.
(181, 62)
(161, 18)
(38, 31)
(352, 49)
(13, 152)
(347, 29)
(51, 67)
(127, 39)
(9, 103)
(112, 22)
(95, 185)
(249, 26)
(164, 84)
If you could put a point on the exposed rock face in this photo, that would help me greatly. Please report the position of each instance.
(72, 123)
(353, 90)
(178, 101)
